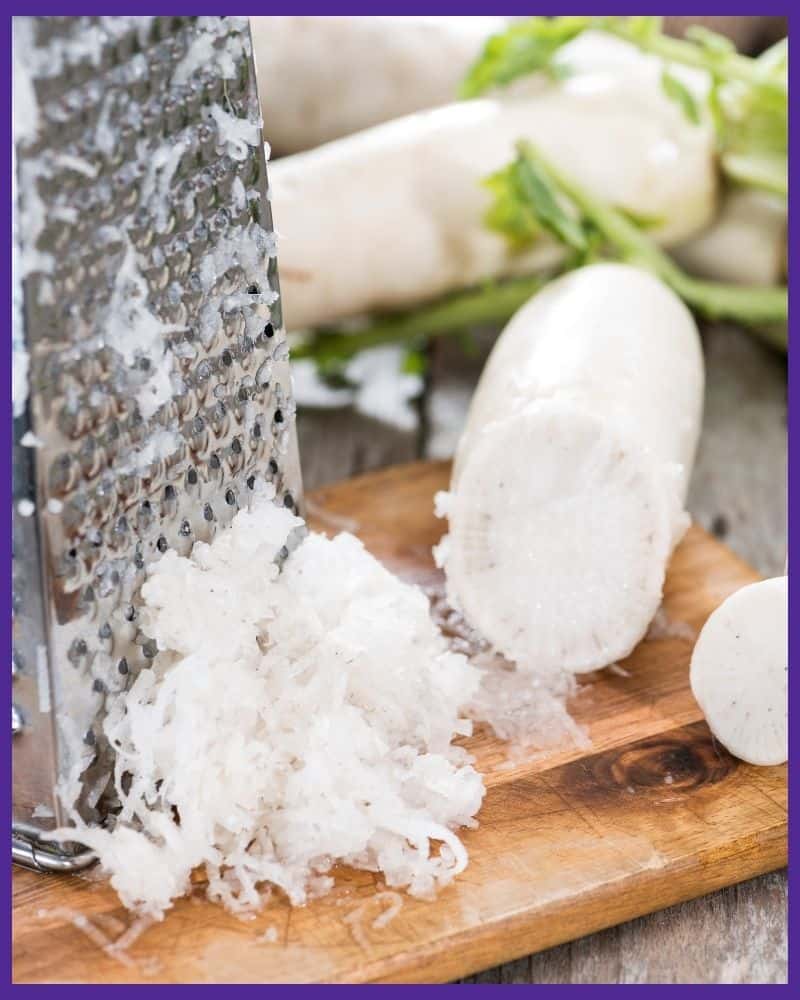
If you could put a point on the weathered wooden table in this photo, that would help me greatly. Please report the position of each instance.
(738, 491)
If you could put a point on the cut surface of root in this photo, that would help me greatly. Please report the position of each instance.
(739, 672)
(560, 531)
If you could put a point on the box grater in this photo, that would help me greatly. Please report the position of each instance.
(151, 371)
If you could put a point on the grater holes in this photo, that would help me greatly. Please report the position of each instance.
(70, 423)
(127, 486)
(234, 322)
(206, 137)
(263, 374)
(217, 417)
(63, 475)
(126, 46)
(106, 404)
(213, 90)
(144, 515)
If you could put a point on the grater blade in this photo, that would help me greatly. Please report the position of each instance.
(157, 366)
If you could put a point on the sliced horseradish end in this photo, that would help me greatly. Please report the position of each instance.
(559, 542)
(568, 488)
(740, 668)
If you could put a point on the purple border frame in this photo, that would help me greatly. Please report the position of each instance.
(793, 415)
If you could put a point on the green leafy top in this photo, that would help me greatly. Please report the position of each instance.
(526, 202)
(680, 93)
(747, 99)
(526, 47)
(585, 225)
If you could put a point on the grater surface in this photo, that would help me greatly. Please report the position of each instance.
(158, 377)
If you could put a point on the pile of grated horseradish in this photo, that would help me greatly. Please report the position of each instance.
(293, 720)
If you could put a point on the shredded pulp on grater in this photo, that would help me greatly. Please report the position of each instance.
(292, 720)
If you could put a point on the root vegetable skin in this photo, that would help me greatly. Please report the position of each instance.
(617, 343)
(321, 78)
(739, 672)
(745, 244)
(395, 215)
(568, 489)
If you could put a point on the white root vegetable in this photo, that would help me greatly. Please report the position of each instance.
(745, 244)
(568, 489)
(395, 215)
(320, 78)
(739, 672)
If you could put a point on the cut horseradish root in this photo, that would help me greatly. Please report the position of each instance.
(570, 478)
(292, 720)
(739, 672)
(578, 577)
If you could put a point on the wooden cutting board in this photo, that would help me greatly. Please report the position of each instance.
(653, 813)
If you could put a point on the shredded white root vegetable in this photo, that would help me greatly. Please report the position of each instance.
(291, 720)
(110, 935)
(528, 712)
(383, 907)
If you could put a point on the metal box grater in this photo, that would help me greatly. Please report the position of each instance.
(158, 378)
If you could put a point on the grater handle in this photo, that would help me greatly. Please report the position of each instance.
(30, 851)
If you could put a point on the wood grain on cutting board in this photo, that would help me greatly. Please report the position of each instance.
(654, 812)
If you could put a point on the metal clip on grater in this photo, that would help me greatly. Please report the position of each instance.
(158, 372)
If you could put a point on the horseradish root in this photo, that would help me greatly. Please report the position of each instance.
(321, 78)
(395, 215)
(745, 244)
(290, 721)
(739, 672)
(567, 494)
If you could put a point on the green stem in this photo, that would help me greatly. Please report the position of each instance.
(765, 172)
(730, 66)
(765, 309)
(493, 303)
